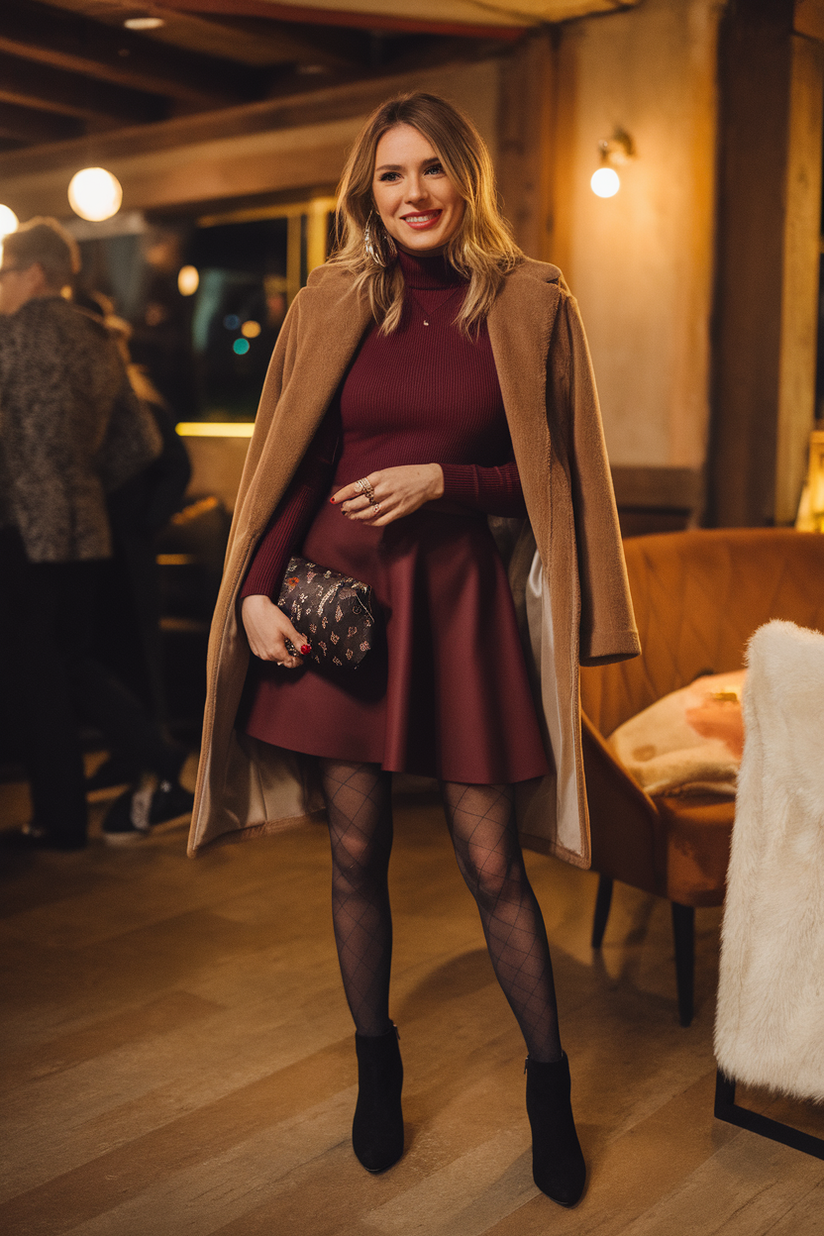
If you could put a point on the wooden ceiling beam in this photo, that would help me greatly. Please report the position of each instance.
(55, 90)
(288, 111)
(22, 125)
(289, 44)
(40, 33)
(307, 14)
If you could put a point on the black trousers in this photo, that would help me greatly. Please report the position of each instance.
(52, 683)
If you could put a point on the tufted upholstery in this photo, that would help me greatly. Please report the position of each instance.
(698, 597)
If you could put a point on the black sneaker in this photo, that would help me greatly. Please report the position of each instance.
(134, 814)
(109, 776)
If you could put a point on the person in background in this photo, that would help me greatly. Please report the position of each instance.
(128, 622)
(72, 432)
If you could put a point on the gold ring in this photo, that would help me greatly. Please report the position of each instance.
(365, 488)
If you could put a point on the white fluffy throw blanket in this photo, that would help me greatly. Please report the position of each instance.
(769, 1028)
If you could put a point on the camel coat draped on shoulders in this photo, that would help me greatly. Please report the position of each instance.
(567, 572)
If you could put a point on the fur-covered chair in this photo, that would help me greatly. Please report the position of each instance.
(699, 596)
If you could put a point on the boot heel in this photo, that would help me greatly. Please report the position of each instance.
(377, 1129)
(558, 1166)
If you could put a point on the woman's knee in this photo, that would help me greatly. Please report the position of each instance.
(358, 858)
(490, 877)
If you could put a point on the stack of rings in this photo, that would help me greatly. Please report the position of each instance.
(365, 487)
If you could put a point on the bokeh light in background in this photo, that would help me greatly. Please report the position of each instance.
(250, 329)
(188, 280)
(8, 224)
(605, 182)
(95, 194)
(8, 221)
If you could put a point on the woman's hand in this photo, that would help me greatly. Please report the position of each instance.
(395, 492)
(267, 629)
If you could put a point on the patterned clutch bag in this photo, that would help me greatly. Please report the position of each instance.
(335, 612)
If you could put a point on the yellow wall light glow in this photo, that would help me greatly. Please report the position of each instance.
(95, 194)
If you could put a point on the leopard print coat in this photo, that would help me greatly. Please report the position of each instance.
(71, 429)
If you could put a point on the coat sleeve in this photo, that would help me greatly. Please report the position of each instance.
(607, 624)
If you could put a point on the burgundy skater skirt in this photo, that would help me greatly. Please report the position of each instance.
(445, 694)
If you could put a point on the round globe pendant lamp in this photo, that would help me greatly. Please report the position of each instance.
(95, 194)
(8, 221)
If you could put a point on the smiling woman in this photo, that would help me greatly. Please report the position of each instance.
(412, 388)
(418, 203)
(420, 175)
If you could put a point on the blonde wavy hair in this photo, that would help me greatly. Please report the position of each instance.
(482, 250)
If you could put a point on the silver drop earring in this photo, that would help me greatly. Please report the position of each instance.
(372, 243)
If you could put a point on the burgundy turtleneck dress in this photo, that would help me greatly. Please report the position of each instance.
(445, 694)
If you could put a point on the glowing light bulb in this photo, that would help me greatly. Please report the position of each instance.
(95, 194)
(144, 23)
(8, 221)
(188, 280)
(605, 182)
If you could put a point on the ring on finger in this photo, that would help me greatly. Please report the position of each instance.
(376, 508)
(365, 487)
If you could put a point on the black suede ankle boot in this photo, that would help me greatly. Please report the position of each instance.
(558, 1166)
(377, 1130)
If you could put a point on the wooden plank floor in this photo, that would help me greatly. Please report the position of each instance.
(177, 1057)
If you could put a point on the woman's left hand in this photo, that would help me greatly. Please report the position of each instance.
(390, 493)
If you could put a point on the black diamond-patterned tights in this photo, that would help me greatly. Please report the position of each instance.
(359, 808)
(482, 825)
(481, 820)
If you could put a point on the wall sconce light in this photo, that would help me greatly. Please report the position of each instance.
(95, 194)
(615, 152)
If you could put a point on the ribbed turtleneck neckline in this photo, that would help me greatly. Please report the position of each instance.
(428, 270)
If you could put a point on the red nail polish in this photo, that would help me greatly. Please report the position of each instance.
(305, 649)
